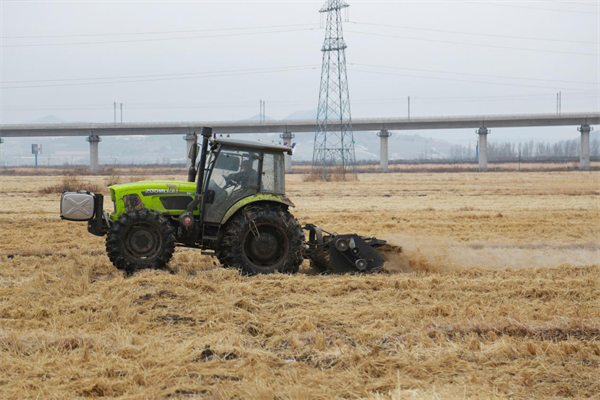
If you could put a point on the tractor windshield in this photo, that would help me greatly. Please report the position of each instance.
(234, 176)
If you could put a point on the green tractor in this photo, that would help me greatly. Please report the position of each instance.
(233, 206)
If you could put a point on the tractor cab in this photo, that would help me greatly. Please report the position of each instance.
(237, 169)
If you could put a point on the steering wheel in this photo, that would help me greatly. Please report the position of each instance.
(229, 182)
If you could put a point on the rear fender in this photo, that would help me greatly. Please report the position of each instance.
(254, 199)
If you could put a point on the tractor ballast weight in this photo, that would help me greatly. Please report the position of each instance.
(232, 206)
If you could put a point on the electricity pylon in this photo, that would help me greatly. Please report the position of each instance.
(334, 141)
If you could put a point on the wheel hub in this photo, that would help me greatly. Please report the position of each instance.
(265, 246)
(142, 241)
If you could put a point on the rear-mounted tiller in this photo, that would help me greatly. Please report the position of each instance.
(330, 252)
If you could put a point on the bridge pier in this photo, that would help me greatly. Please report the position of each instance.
(287, 141)
(584, 157)
(384, 134)
(189, 142)
(94, 140)
(483, 150)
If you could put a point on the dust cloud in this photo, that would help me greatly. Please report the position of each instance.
(437, 254)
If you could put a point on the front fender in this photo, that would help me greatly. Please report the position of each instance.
(256, 198)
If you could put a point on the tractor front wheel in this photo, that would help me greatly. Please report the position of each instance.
(262, 239)
(140, 239)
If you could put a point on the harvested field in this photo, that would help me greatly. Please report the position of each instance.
(125, 171)
(495, 296)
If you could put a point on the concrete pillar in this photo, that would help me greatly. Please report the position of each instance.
(189, 142)
(287, 141)
(94, 140)
(584, 158)
(383, 149)
(483, 153)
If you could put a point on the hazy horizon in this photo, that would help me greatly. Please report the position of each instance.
(207, 61)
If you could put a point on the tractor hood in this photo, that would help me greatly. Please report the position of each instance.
(154, 188)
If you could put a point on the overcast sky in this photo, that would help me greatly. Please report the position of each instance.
(436, 52)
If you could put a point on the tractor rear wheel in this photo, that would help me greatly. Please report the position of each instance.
(262, 239)
(140, 239)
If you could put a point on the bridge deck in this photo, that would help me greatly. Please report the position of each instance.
(359, 125)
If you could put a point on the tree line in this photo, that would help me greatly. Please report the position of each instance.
(529, 150)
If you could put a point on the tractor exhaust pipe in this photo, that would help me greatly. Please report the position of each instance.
(192, 156)
(187, 219)
(206, 135)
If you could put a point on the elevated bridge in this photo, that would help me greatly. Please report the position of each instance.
(482, 123)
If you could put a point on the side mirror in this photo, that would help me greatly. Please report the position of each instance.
(194, 150)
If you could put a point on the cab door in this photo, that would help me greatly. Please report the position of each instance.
(234, 176)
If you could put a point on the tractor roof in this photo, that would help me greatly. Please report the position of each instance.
(254, 144)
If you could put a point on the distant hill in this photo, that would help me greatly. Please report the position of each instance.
(302, 114)
(257, 118)
(49, 119)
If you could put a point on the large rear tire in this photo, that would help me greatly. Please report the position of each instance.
(262, 239)
(140, 239)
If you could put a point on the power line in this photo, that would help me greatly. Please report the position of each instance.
(581, 3)
(478, 45)
(153, 80)
(103, 105)
(474, 34)
(288, 26)
(276, 101)
(287, 103)
(156, 39)
(488, 100)
(158, 75)
(211, 74)
(162, 107)
(428, 100)
(465, 80)
(482, 75)
(531, 8)
(510, 96)
(154, 33)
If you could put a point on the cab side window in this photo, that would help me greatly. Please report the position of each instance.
(273, 175)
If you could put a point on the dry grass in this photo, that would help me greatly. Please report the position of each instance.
(110, 172)
(335, 176)
(424, 167)
(72, 183)
(498, 299)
